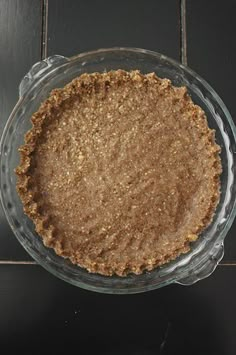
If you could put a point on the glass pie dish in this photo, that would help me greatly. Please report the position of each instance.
(57, 71)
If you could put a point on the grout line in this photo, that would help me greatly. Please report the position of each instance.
(227, 264)
(44, 36)
(11, 262)
(183, 33)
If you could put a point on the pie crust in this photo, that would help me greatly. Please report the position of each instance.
(119, 172)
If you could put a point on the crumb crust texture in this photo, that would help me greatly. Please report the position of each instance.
(119, 172)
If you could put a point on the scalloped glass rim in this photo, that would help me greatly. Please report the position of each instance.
(205, 253)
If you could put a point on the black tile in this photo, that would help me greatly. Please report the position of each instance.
(10, 248)
(211, 45)
(38, 309)
(20, 41)
(88, 24)
(211, 52)
(230, 246)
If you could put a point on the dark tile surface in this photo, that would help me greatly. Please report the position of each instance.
(87, 24)
(41, 313)
(20, 42)
(211, 52)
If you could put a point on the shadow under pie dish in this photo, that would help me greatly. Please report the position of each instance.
(204, 253)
